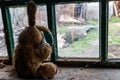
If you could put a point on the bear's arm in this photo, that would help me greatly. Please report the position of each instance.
(43, 52)
(42, 28)
(47, 34)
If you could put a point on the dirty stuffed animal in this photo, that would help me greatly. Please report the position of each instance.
(31, 50)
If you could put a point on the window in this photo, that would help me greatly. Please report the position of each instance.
(66, 19)
(114, 30)
(78, 30)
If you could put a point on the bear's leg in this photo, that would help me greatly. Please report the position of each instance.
(46, 70)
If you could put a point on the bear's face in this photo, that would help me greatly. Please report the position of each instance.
(30, 35)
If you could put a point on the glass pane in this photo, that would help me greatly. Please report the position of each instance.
(114, 30)
(20, 19)
(3, 48)
(78, 30)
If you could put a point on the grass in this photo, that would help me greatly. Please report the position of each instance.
(114, 20)
(62, 29)
(92, 22)
(84, 43)
(114, 33)
(115, 40)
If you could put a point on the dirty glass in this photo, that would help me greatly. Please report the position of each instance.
(3, 48)
(78, 30)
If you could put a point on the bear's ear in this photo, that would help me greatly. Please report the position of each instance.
(48, 37)
(31, 12)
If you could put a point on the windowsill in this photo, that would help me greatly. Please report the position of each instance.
(79, 59)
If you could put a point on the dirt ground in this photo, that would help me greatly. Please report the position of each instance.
(114, 50)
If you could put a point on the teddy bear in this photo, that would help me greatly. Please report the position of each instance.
(32, 49)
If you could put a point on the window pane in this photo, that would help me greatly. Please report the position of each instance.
(114, 30)
(20, 19)
(3, 48)
(78, 30)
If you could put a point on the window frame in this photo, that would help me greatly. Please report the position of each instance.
(50, 4)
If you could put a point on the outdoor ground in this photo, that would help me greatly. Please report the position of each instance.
(88, 46)
(114, 38)
(65, 73)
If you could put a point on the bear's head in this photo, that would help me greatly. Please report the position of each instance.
(30, 35)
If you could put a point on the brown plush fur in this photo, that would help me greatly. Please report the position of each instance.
(30, 52)
(31, 10)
